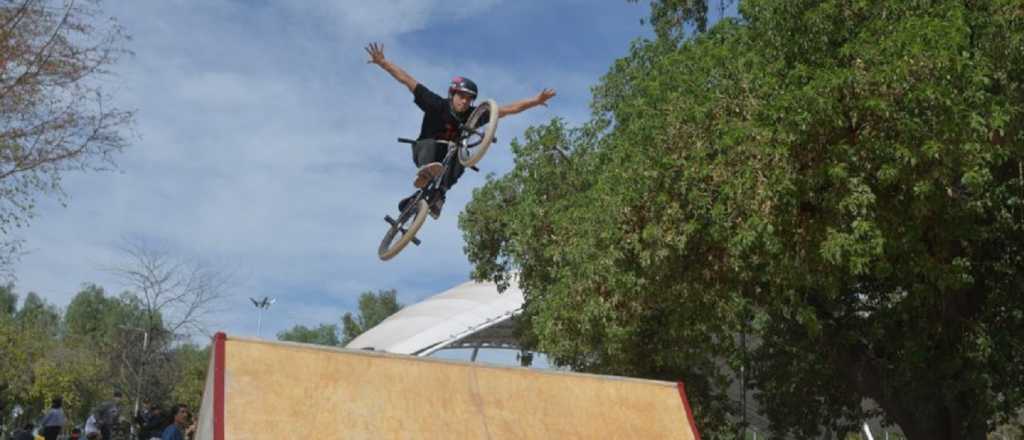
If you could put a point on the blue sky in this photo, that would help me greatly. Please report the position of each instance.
(265, 145)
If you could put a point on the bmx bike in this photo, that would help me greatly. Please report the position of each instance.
(474, 137)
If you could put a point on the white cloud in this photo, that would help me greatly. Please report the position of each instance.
(386, 18)
(268, 145)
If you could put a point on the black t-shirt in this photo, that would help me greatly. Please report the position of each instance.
(439, 121)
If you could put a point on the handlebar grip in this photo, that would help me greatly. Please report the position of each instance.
(406, 141)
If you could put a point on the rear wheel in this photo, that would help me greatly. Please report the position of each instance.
(403, 230)
(483, 122)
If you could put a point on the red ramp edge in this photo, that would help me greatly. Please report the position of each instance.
(218, 385)
(689, 412)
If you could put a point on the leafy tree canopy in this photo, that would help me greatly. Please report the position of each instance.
(325, 334)
(373, 308)
(841, 181)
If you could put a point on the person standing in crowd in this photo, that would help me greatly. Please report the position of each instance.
(54, 421)
(143, 413)
(26, 433)
(107, 415)
(153, 423)
(91, 426)
(180, 428)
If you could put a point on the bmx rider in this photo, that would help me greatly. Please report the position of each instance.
(442, 119)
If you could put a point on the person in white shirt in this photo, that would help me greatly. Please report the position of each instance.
(91, 426)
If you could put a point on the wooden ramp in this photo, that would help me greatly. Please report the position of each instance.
(278, 390)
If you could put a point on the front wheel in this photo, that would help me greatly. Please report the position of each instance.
(403, 230)
(481, 125)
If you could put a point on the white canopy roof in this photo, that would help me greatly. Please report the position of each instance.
(443, 319)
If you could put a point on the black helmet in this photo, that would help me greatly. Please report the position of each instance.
(464, 85)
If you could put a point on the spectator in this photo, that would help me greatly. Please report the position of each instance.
(26, 433)
(181, 427)
(108, 414)
(154, 424)
(142, 416)
(54, 420)
(76, 434)
(91, 426)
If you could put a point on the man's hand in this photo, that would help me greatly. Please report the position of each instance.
(526, 104)
(543, 97)
(376, 51)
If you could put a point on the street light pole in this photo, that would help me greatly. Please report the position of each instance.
(261, 305)
(259, 321)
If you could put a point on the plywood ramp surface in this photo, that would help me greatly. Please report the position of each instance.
(276, 390)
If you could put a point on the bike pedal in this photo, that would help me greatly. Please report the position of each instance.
(414, 240)
(390, 220)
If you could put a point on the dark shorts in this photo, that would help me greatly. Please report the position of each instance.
(51, 432)
(425, 151)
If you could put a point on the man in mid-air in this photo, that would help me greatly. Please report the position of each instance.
(442, 119)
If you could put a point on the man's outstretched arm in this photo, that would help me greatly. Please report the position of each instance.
(376, 51)
(526, 104)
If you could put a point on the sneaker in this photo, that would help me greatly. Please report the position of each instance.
(426, 173)
(435, 207)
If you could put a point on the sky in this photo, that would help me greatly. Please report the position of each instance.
(264, 144)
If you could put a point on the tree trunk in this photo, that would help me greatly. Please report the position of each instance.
(919, 419)
(933, 420)
(924, 428)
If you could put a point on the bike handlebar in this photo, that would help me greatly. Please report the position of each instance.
(413, 142)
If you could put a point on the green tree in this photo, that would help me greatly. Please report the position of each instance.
(131, 340)
(325, 334)
(75, 373)
(8, 300)
(93, 315)
(37, 313)
(841, 181)
(373, 308)
(190, 364)
(36, 365)
(672, 18)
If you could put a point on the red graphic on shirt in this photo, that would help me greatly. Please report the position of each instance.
(449, 132)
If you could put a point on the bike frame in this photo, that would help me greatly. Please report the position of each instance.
(431, 188)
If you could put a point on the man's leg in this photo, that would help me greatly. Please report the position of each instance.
(453, 174)
(425, 151)
(426, 154)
